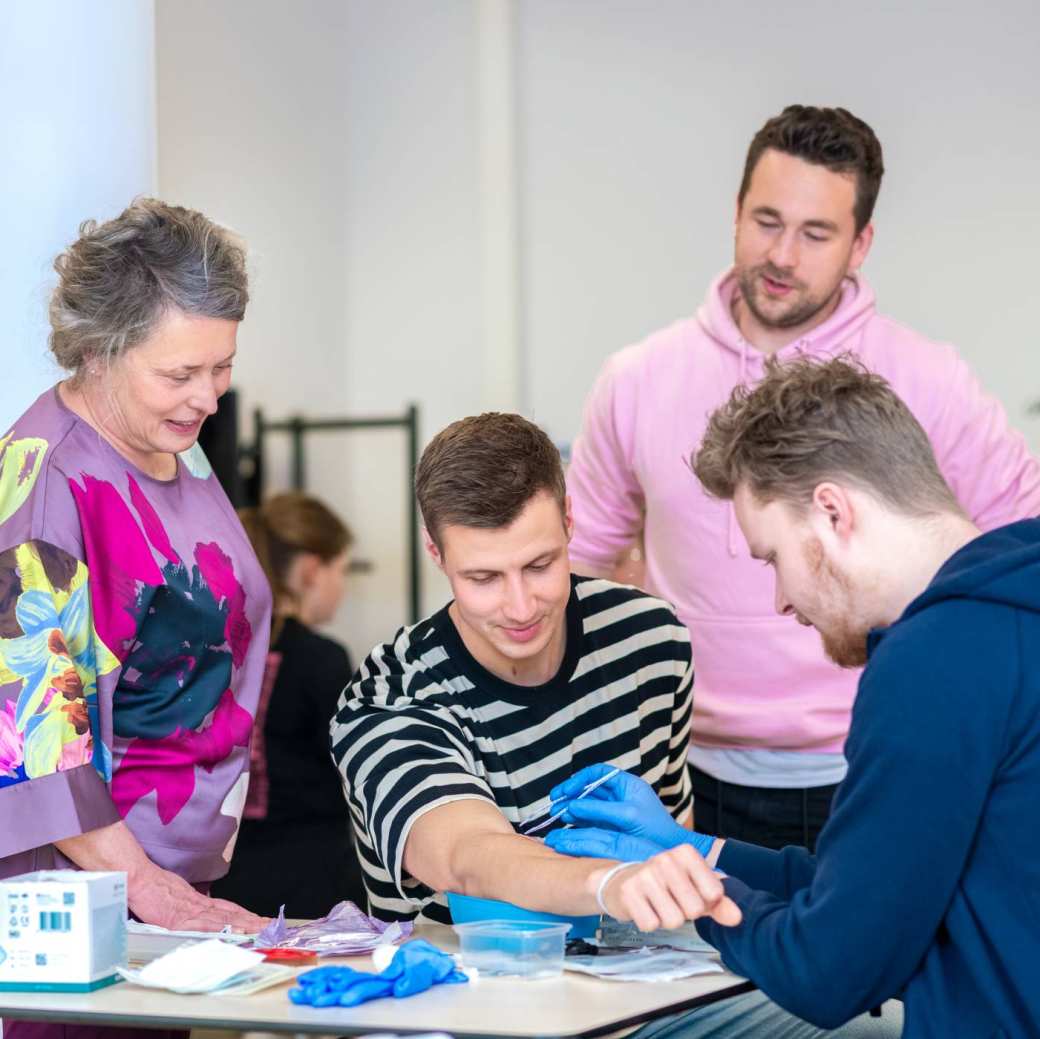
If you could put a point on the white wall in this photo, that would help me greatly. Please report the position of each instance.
(356, 146)
(635, 118)
(339, 139)
(77, 136)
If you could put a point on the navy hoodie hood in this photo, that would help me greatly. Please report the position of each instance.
(1002, 566)
(926, 881)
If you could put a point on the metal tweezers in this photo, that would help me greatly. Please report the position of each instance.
(557, 815)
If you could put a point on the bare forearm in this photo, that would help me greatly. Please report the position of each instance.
(153, 894)
(664, 891)
(467, 846)
(522, 870)
(109, 848)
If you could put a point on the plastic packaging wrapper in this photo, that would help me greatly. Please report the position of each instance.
(345, 931)
(626, 935)
(650, 963)
(416, 967)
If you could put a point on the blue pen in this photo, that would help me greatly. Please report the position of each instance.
(588, 790)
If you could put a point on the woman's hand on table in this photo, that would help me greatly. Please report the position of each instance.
(155, 895)
(669, 889)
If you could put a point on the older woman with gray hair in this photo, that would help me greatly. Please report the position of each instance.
(134, 616)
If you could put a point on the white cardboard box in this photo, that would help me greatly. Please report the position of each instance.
(62, 930)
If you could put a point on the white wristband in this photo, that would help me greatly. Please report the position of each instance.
(607, 878)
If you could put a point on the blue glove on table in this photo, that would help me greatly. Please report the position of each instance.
(624, 805)
(417, 965)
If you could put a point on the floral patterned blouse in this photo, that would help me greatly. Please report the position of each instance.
(134, 622)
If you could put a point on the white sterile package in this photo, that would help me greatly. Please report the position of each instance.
(147, 942)
(225, 934)
(196, 967)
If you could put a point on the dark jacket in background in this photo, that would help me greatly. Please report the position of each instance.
(295, 846)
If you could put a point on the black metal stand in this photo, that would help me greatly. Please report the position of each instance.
(297, 427)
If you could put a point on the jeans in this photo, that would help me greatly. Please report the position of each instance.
(54, 1030)
(769, 816)
(754, 1016)
(750, 1016)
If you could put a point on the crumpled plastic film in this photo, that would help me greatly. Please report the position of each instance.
(416, 966)
(344, 931)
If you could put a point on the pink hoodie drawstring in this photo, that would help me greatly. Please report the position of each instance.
(731, 514)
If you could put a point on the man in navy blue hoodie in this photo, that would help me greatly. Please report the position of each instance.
(926, 881)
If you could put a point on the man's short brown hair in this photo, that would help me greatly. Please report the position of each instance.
(810, 421)
(830, 137)
(483, 470)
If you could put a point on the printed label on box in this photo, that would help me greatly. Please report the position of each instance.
(61, 928)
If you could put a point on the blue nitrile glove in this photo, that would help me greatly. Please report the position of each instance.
(416, 966)
(625, 804)
(338, 986)
(591, 842)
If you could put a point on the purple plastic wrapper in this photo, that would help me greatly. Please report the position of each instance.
(345, 931)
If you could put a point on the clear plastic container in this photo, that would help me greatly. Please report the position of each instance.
(513, 948)
(465, 909)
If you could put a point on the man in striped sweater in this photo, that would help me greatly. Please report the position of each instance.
(451, 735)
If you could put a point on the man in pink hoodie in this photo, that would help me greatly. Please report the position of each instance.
(770, 711)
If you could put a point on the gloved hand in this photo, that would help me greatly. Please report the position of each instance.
(625, 804)
(416, 966)
(592, 842)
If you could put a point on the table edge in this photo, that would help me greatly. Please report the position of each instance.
(325, 1027)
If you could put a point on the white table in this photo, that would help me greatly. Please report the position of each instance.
(571, 1005)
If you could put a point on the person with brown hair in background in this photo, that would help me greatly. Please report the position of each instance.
(294, 846)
